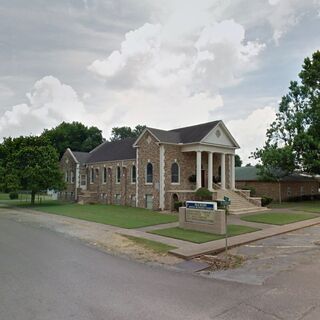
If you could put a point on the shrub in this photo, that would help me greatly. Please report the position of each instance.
(177, 205)
(265, 201)
(13, 195)
(203, 194)
(192, 178)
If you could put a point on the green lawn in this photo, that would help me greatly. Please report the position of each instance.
(119, 216)
(310, 206)
(154, 246)
(23, 199)
(278, 218)
(201, 237)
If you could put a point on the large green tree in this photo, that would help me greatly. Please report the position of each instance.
(29, 163)
(75, 136)
(293, 139)
(120, 133)
(238, 161)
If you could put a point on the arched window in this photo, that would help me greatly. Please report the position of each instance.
(104, 176)
(149, 173)
(133, 174)
(92, 175)
(175, 173)
(118, 175)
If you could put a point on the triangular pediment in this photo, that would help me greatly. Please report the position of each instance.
(221, 136)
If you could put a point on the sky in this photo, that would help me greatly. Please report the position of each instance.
(165, 63)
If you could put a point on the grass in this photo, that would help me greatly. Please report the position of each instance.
(154, 246)
(310, 206)
(24, 198)
(201, 237)
(278, 218)
(119, 216)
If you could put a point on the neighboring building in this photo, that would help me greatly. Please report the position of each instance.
(155, 170)
(291, 186)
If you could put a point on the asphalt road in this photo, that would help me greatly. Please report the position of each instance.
(46, 276)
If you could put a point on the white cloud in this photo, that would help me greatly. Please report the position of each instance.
(49, 103)
(250, 132)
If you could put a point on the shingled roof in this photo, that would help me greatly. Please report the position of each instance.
(184, 135)
(82, 157)
(251, 174)
(115, 150)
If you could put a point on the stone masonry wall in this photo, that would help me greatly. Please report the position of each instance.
(107, 191)
(288, 189)
(68, 165)
(149, 151)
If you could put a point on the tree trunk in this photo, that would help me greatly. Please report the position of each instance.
(33, 196)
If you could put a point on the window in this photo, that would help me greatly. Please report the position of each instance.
(149, 201)
(83, 180)
(289, 191)
(133, 174)
(66, 176)
(175, 173)
(92, 175)
(118, 198)
(104, 175)
(118, 178)
(149, 173)
(302, 190)
(72, 177)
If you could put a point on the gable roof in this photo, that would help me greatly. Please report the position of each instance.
(80, 156)
(115, 150)
(251, 174)
(191, 134)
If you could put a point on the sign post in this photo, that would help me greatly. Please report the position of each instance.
(227, 202)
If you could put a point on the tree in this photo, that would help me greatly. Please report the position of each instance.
(293, 139)
(120, 133)
(75, 136)
(29, 163)
(237, 161)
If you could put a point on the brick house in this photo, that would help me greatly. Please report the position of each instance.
(291, 186)
(156, 169)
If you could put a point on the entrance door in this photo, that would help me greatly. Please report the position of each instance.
(83, 182)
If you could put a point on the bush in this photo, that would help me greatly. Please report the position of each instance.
(192, 178)
(265, 201)
(177, 205)
(203, 194)
(304, 198)
(252, 190)
(13, 195)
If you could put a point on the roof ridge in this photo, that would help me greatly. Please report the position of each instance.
(196, 125)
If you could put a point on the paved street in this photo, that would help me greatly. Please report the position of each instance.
(48, 276)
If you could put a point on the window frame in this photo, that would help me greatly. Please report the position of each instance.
(104, 175)
(92, 175)
(118, 175)
(146, 174)
(134, 181)
(178, 173)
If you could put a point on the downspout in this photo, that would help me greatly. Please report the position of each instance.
(77, 182)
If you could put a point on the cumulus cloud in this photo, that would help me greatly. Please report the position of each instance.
(49, 103)
(250, 131)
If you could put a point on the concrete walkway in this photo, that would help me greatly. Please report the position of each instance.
(219, 245)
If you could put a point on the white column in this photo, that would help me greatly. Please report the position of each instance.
(233, 173)
(199, 184)
(223, 171)
(161, 196)
(210, 164)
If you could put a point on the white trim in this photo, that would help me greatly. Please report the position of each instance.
(106, 162)
(141, 135)
(72, 155)
(162, 176)
(220, 123)
(198, 174)
(175, 183)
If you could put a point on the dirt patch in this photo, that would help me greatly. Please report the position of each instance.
(95, 234)
(221, 261)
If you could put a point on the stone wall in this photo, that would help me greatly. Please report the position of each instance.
(112, 192)
(68, 168)
(148, 151)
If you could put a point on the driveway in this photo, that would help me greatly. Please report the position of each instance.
(47, 276)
